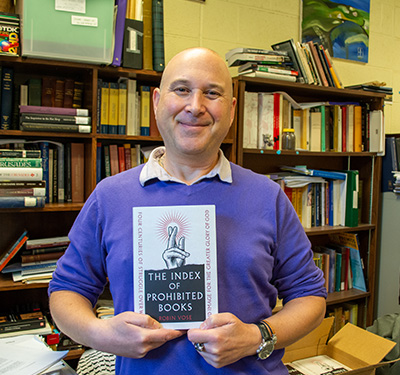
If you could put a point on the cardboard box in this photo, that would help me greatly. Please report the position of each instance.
(353, 346)
(81, 31)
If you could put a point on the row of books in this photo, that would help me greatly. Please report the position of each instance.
(47, 91)
(346, 313)
(318, 126)
(292, 61)
(116, 158)
(139, 35)
(123, 107)
(341, 262)
(61, 174)
(322, 198)
(313, 61)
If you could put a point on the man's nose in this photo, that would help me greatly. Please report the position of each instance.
(196, 103)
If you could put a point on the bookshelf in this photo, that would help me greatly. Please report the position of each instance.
(367, 163)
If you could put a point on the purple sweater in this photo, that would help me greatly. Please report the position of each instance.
(262, 252)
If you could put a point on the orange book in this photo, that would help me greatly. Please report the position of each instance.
(77, 172)
(357, 129)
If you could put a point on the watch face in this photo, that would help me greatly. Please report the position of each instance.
(266, 350)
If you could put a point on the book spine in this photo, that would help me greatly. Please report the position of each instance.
(158, 35)
(13, 250)
(77, 97)
(55, 119)
(44, 148)
(119, 32)
(35, 91)
(53, 110)
(23, 192)
(121, 158)
(22, 184)
(147, 35)
(105, 107)
(68, 93)
(99, 162)
(122, 109)
(41, 257)
(48, 127)
(145, 111)
(131, 105)
(276, 120)
(67, 173)
(20, 174)
(59, 93)
(48, 91)
(21, 162)
(7, 85)
(21, 202)
(77, 172)
(113, 108)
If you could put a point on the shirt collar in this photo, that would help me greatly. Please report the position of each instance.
(153, 169)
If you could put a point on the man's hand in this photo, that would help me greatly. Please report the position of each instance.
(226, 339)
(175, 254)
(130, 334)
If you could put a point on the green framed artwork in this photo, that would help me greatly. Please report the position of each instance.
(342, 27)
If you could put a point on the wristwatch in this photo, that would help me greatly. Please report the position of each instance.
(268, 340)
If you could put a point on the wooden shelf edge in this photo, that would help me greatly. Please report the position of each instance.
(49, 207)
(345, 296)
(337, 229)
(306, 153)
(7, 284)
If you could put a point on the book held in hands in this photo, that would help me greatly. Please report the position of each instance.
(174, 264)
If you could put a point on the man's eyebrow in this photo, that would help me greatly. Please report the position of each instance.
(187, 82)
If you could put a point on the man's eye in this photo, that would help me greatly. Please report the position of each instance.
(181, 90)
(212, 94)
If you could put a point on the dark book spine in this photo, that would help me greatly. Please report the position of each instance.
(55, 119)
(59, 93)
(77, 98)
(7, 85)
(68, 93)
(48, 91)
(35, 91)
(22, 184)
(68, 172)
(19, 153)
(63, 128)
(21, 202)
(15, 106)
(158, 35)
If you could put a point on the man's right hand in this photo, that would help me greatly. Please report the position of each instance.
(130, 334)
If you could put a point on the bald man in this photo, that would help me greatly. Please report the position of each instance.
(262, 249)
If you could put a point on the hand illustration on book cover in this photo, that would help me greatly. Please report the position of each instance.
(175, 254)
(166, 287)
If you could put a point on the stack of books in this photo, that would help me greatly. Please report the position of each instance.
(312, 61)
(21, 179)
(38, 260)
(254, 62)
(54, 119)
(375, 86)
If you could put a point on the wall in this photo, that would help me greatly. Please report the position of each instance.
(225, 24)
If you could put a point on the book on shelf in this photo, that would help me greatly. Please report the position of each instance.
(47, 242)
(132, 125)
(159, 273)
(265, 139)
(250, 119)
(145, 110)
(122, 106)
(7, 255)
(21, 162)
(34, 91)
(48, 91)
(7, 86)
(114, 160)
(158, 35)
(289, 47)
(55, 119)
(242, 58)
(113, 108)
(119, 29)
(20, 322)
(316, 172)
(77, 97)
(260, 51)
(68, 93)
(251, 66)
(147, 34)
(22, 202)
(59, 91)
(77, 172)
(271, 75)
(19, 153)
(21, 174)
(51, 127)
(32, 109)
(105, 107)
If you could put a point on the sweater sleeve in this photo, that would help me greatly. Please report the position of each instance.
(82, 268)
(295, 273)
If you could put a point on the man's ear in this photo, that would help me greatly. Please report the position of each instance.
(156, 98)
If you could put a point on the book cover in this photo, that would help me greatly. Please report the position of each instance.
(319, 365)
(10, 41)
(132, 55)
(158, 35)
(105, 107)
(22, 192)
(47, 242)
(358, 147)
(174, 264)
(21, 174)
(21, 162)
(7, 85)
(352, 198)
(260, 51)
(53, 110)
(15, 322)
(13, 249)
(242, 58)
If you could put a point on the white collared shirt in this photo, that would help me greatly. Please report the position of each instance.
(153, 169)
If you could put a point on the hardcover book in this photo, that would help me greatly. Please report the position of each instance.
(175, 264)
